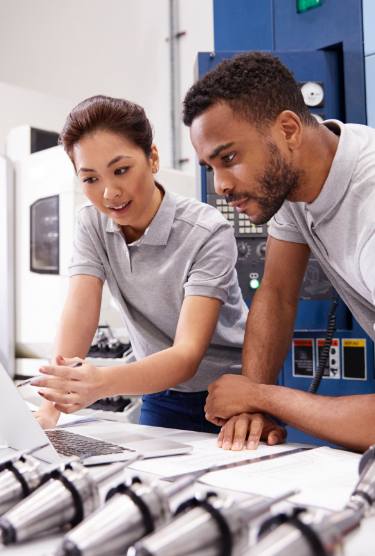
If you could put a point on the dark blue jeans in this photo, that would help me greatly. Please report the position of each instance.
(177, 410)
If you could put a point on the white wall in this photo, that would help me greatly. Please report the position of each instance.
(78, 48)
(196, 18)
(20, 106)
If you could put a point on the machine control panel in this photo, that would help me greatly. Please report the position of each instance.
(251, 246)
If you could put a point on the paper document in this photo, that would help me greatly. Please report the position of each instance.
(73, 419)
(205, 454)
(326, 477)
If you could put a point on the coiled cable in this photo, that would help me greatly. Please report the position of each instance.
(331, 327)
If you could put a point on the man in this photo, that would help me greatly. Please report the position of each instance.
(250, 126)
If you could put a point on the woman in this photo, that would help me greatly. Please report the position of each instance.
(170, 266)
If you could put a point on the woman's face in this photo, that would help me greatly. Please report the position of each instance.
(117, 178)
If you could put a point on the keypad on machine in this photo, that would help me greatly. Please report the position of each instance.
(244, 224)
(226, 211)
(247, 227)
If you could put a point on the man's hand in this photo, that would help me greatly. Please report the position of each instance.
(235, 402)
(232, 395)
(257, 425)
(72, 389)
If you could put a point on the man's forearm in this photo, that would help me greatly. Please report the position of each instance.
(269, 333)
(347, 421)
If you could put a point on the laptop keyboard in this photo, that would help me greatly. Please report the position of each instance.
(68, 443)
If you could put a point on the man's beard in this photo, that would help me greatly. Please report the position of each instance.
(278, 181)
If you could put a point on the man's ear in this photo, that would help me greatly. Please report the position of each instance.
(289, 128)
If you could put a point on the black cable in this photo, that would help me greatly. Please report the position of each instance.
(331, 327)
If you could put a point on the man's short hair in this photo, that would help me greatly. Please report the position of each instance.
(258, 87)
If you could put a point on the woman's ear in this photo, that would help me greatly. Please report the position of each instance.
(154, 159)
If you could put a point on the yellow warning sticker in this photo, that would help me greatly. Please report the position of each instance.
(354, 343)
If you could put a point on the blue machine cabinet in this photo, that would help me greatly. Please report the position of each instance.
(350, 369)
(276, 25)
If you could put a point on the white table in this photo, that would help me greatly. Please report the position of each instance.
(361, 542)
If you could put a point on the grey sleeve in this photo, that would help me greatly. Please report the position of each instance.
(367, 265)
(85, 258)
(213, 269)
(284, 226)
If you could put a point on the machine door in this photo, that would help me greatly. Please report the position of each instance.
(44, 236)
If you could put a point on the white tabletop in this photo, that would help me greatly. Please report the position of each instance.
(361, 542)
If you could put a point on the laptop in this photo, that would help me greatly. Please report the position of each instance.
(20, 430)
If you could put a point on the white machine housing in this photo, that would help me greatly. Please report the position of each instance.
(40, 297)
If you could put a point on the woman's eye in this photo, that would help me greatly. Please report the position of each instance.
(120, 171)
(89, 180)
(228, 157)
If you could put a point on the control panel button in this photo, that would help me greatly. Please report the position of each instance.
(254, 284)
(261, 250)
(242, 249)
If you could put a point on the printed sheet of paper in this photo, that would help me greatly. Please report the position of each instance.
(66, 420)
(205, 454)
(326, 477)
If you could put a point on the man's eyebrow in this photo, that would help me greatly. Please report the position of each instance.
(219, 149)
(120, 157)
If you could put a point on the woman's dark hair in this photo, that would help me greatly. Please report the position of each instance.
(258, 87)
(115, 115)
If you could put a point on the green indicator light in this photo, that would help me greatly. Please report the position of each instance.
(254, 284)
(304, 5)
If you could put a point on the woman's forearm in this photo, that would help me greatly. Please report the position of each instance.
(153, 373)
(157, 372)
(77, 325)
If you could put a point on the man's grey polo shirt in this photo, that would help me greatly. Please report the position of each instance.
(339, 226)
(188, 249)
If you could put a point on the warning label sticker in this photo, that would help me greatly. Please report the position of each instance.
(354, 343)
(354, 359)
(332, 366)
(303, 357)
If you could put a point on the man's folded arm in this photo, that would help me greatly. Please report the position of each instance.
(348, 421)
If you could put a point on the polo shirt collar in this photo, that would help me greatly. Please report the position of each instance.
(340, 175)
(157, 233)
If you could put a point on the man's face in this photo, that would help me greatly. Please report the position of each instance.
(253, 170)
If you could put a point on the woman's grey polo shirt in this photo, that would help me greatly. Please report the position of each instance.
(188, 249)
